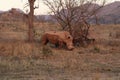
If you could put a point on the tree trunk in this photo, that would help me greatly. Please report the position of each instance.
(30, 21)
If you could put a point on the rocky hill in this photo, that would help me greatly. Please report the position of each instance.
(13, 14)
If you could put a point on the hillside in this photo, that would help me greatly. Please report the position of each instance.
(109, 14)
(13, 14)
(1, 11)
(112, 8)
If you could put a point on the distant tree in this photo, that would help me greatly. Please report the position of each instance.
(73, 15)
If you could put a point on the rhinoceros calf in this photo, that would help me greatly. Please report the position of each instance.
(58, 38)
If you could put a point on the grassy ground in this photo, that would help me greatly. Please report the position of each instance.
(21, 60)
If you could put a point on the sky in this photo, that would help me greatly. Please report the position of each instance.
(43, 9)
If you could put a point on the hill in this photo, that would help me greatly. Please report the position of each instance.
(13, 14)
(1, 11)
(109, 14)
(112, 8)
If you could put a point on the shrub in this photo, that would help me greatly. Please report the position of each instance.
(46, 51)
(96, 49)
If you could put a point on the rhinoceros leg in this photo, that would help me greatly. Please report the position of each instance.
(44, 39)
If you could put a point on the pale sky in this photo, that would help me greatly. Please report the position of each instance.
(8, 4)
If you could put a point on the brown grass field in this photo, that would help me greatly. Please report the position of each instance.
(20, 60)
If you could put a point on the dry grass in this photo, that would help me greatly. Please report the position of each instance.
(21, 60)
(29, 61)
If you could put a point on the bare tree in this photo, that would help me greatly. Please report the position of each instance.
(30, 17)
(73, 15)
(30, 20)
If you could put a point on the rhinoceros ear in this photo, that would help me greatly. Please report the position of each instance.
(68, 37)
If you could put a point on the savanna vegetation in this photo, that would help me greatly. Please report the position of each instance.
(22, 57)
(22, 60)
